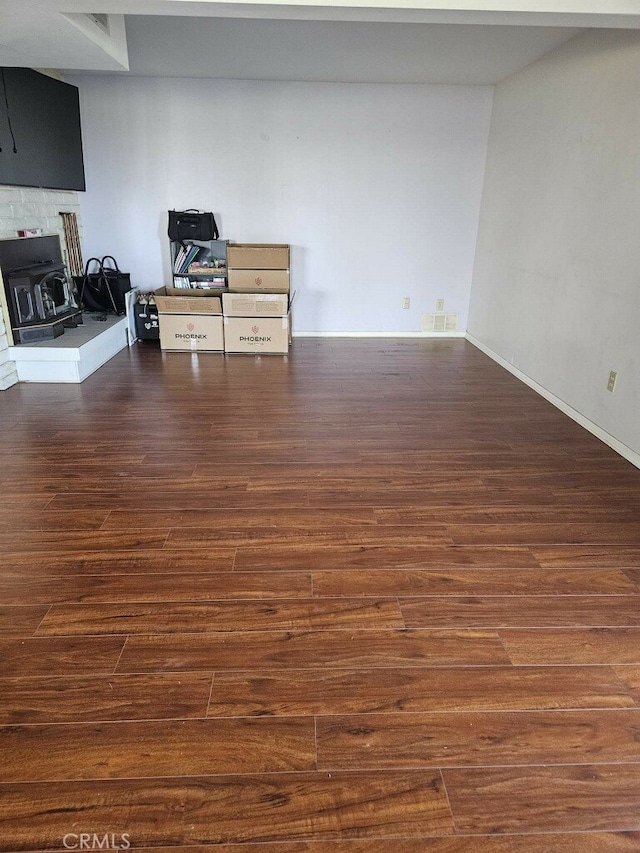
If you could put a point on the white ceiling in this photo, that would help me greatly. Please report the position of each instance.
(343, 51)
(387, 41)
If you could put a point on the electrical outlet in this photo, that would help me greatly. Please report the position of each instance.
(406, 302)
(611, 384)
(440, 305)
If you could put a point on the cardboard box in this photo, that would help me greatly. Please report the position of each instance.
(256, 281)
(191, 332)
(255, 304)
(257, 334)
(258, 256)
(172, 300)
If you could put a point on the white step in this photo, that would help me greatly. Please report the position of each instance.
(74, 355)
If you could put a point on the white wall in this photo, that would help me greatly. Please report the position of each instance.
(377, 187)
(556, 289)
(23, 207)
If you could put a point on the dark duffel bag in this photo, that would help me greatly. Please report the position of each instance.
(186, 225)
(104, 288)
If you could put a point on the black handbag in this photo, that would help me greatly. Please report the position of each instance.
(192, 225)
(104, 289)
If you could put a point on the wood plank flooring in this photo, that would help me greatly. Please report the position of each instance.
(375, 597)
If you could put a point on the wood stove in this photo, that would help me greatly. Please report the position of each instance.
(39, 295)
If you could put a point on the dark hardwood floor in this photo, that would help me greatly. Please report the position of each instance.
(375, 597)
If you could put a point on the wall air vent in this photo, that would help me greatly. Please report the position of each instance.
(439, 322)
(100, 19)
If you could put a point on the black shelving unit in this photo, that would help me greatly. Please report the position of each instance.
(201, 269)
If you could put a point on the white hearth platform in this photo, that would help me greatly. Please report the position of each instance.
(74, 355)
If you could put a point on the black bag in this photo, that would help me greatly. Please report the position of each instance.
(103, 289)
(191, 225)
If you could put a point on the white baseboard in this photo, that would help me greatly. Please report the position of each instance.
(624, 451)
(378, 334)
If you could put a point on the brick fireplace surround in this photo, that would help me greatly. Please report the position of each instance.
(30, 208)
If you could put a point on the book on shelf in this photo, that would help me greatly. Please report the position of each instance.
(179, 258)
(181, 281)
(189, 259)
(186, 255)
(215, 284)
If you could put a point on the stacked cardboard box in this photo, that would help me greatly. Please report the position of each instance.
(191, 323)
(255, 267)
(257, 309)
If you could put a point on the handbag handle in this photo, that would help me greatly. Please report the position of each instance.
(115, 266)
(104, 275)
(106, 272)
(85, 277)
(91, 261)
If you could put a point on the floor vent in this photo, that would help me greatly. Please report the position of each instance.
(439, 322)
